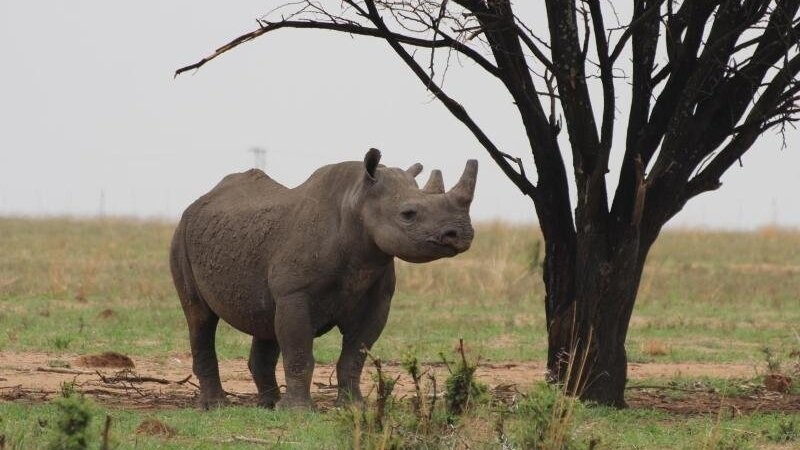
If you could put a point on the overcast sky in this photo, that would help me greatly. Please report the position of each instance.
(91, 120)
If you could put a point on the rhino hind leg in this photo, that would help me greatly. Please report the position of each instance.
(202, 323)
(202, 331)
(263, 359)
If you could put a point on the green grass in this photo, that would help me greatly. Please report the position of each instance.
(32, 426)
(616, 429)
(705, 297)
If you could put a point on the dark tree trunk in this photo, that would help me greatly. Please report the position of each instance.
(588, 328)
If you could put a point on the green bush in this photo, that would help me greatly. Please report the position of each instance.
(786, 431)
(545, 420)
(72, 424)
(461, 388)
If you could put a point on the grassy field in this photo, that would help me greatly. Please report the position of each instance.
(89, 286)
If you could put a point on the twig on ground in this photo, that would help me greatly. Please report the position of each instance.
(65, 371)
(669, 388)
(130, 377)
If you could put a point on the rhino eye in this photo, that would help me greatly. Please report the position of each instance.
(408, 214)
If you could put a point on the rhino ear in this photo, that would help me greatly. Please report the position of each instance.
(414, 170)
(371, 160)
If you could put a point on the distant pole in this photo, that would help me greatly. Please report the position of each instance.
(259, 158)
(102, 208)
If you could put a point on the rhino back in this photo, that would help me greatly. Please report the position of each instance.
(230, 234)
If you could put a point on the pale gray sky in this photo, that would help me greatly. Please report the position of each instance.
(91, 118)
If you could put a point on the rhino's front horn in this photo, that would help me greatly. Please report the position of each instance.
(463, 191)
(435, 184)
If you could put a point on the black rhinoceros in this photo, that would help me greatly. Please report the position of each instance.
(287, 265)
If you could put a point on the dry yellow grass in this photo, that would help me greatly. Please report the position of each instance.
(717, 296)
(655, 348)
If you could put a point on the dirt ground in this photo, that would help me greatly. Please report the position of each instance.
(164, 383)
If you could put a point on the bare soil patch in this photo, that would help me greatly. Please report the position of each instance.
(167, 383)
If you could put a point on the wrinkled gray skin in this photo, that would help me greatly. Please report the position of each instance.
(287, 265)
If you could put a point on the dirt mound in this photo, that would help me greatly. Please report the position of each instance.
(777, 383)
(106, 314)
(106, 359)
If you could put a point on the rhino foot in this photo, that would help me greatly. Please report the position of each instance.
(268, 400)
(348, 399)
(207, 402)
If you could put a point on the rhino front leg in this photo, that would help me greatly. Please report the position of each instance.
(295, 338)
(365, 332)
(263, 359)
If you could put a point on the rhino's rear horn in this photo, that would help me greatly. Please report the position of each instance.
(435, 184)
(463, 191)
(414, 170)
(371, 160)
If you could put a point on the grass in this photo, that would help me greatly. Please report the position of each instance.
(29, 426)
(705, 296)
(88, 286)
(524, 424)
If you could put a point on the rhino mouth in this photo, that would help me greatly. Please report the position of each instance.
(448, 249)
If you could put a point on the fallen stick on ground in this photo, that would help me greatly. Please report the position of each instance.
(65, 371)
(132, 378)
(670, 388)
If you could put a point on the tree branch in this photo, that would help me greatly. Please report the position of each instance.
(637, 21)
(769, 105)
(607, 78)
(455, 108)
(350, 28)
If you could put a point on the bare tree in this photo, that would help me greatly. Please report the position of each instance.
(706, 79)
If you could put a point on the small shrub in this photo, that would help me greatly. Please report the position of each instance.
(545, 419)
(71, 430)
(773, 361)
(411, 365)
(785, 431)
(61, 342)
(385, 386)
(731, 441)
(461, 388)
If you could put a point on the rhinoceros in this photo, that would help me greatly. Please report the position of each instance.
(287, 265)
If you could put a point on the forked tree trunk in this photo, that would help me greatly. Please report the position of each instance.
(588, 326)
